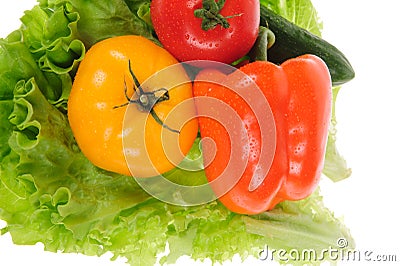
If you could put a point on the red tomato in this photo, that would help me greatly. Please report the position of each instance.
(226, 37)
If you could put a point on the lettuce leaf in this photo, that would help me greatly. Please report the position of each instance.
(335, 166)
(104, 19)
(50, 192)
(302, 13)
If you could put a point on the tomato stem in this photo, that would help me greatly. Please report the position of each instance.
(146, 100)
(210, 14)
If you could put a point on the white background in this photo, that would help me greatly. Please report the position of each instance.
(368, 111)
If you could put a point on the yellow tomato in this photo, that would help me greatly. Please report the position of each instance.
(107, 110)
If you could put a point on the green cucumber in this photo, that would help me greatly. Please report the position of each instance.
(292, 41)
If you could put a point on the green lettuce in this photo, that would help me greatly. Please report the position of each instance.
(50, 192)
(335, 166)
(302, 13)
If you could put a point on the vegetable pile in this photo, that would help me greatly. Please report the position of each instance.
(51, 193)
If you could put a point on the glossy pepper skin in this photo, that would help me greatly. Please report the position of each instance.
(300, 97)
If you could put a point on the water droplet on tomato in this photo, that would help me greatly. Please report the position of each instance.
(131, 152)
(108, 133)
(101, 105)
(99, 77)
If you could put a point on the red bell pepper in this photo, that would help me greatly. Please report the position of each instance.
(300, 97)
